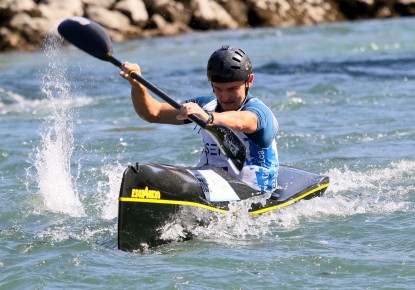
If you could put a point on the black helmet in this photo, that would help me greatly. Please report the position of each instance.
(229, 64)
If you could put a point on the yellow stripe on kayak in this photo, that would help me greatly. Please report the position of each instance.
(167, 201)
(291, 201)
(195, 204)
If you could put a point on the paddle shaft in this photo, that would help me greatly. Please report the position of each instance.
(157, 91)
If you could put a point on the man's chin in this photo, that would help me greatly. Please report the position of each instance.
(229, 107)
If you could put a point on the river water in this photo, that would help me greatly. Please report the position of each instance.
(344, 97)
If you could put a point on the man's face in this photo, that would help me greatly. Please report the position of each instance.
(231, 96)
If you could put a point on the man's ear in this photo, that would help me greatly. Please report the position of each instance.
(250, 80)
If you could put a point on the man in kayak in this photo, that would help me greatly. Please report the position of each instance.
(229, 71)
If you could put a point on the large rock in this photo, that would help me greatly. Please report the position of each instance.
(57, 10)
(101, 3)
(110, 19)
(269, 12)
(207, 14)
(238, 10)
(31, 29)
(317, 11)
(9, 39)
(157, 25)
(12, 7)
(119, 27)
(291, 12)
(171, 11)
(405, 7)
(357, 9)
(135, 10)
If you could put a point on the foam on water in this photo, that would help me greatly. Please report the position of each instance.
(356, 192)
(13, 103)
(378, 179)
(78, 228)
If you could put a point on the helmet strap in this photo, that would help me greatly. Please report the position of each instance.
(246, 89)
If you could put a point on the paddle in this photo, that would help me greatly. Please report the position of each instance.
(92, 38)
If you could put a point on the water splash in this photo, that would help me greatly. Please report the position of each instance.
(236, 226)
(53, 156)
(379, 179)
(108, 191)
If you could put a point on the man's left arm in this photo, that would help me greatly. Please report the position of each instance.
(239, 121)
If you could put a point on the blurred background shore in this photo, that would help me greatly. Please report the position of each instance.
(25, 23)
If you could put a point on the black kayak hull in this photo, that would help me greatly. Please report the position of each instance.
(151, 195)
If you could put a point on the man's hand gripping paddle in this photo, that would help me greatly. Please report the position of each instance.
(92, 38)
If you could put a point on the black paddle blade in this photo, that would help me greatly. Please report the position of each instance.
(230, 144)
(87, 35)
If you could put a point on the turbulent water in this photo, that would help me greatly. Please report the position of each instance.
(344, 97)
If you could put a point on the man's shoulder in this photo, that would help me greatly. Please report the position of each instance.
(253, 101)
(256, 105)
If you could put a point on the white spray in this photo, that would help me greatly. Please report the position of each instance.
(53, 156)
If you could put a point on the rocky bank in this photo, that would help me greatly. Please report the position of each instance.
(25, 23)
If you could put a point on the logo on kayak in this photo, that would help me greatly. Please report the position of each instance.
(145, 193)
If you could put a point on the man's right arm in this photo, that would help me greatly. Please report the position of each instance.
(148, 108)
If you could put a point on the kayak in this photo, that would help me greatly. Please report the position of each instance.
(153, 194)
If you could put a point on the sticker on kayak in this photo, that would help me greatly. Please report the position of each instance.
(215, 187)
(145, 193)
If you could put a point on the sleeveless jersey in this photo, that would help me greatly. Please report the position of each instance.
(260, 170)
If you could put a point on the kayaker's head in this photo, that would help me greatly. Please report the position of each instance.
(229, 70)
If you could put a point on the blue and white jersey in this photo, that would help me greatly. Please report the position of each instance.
(261, 166)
